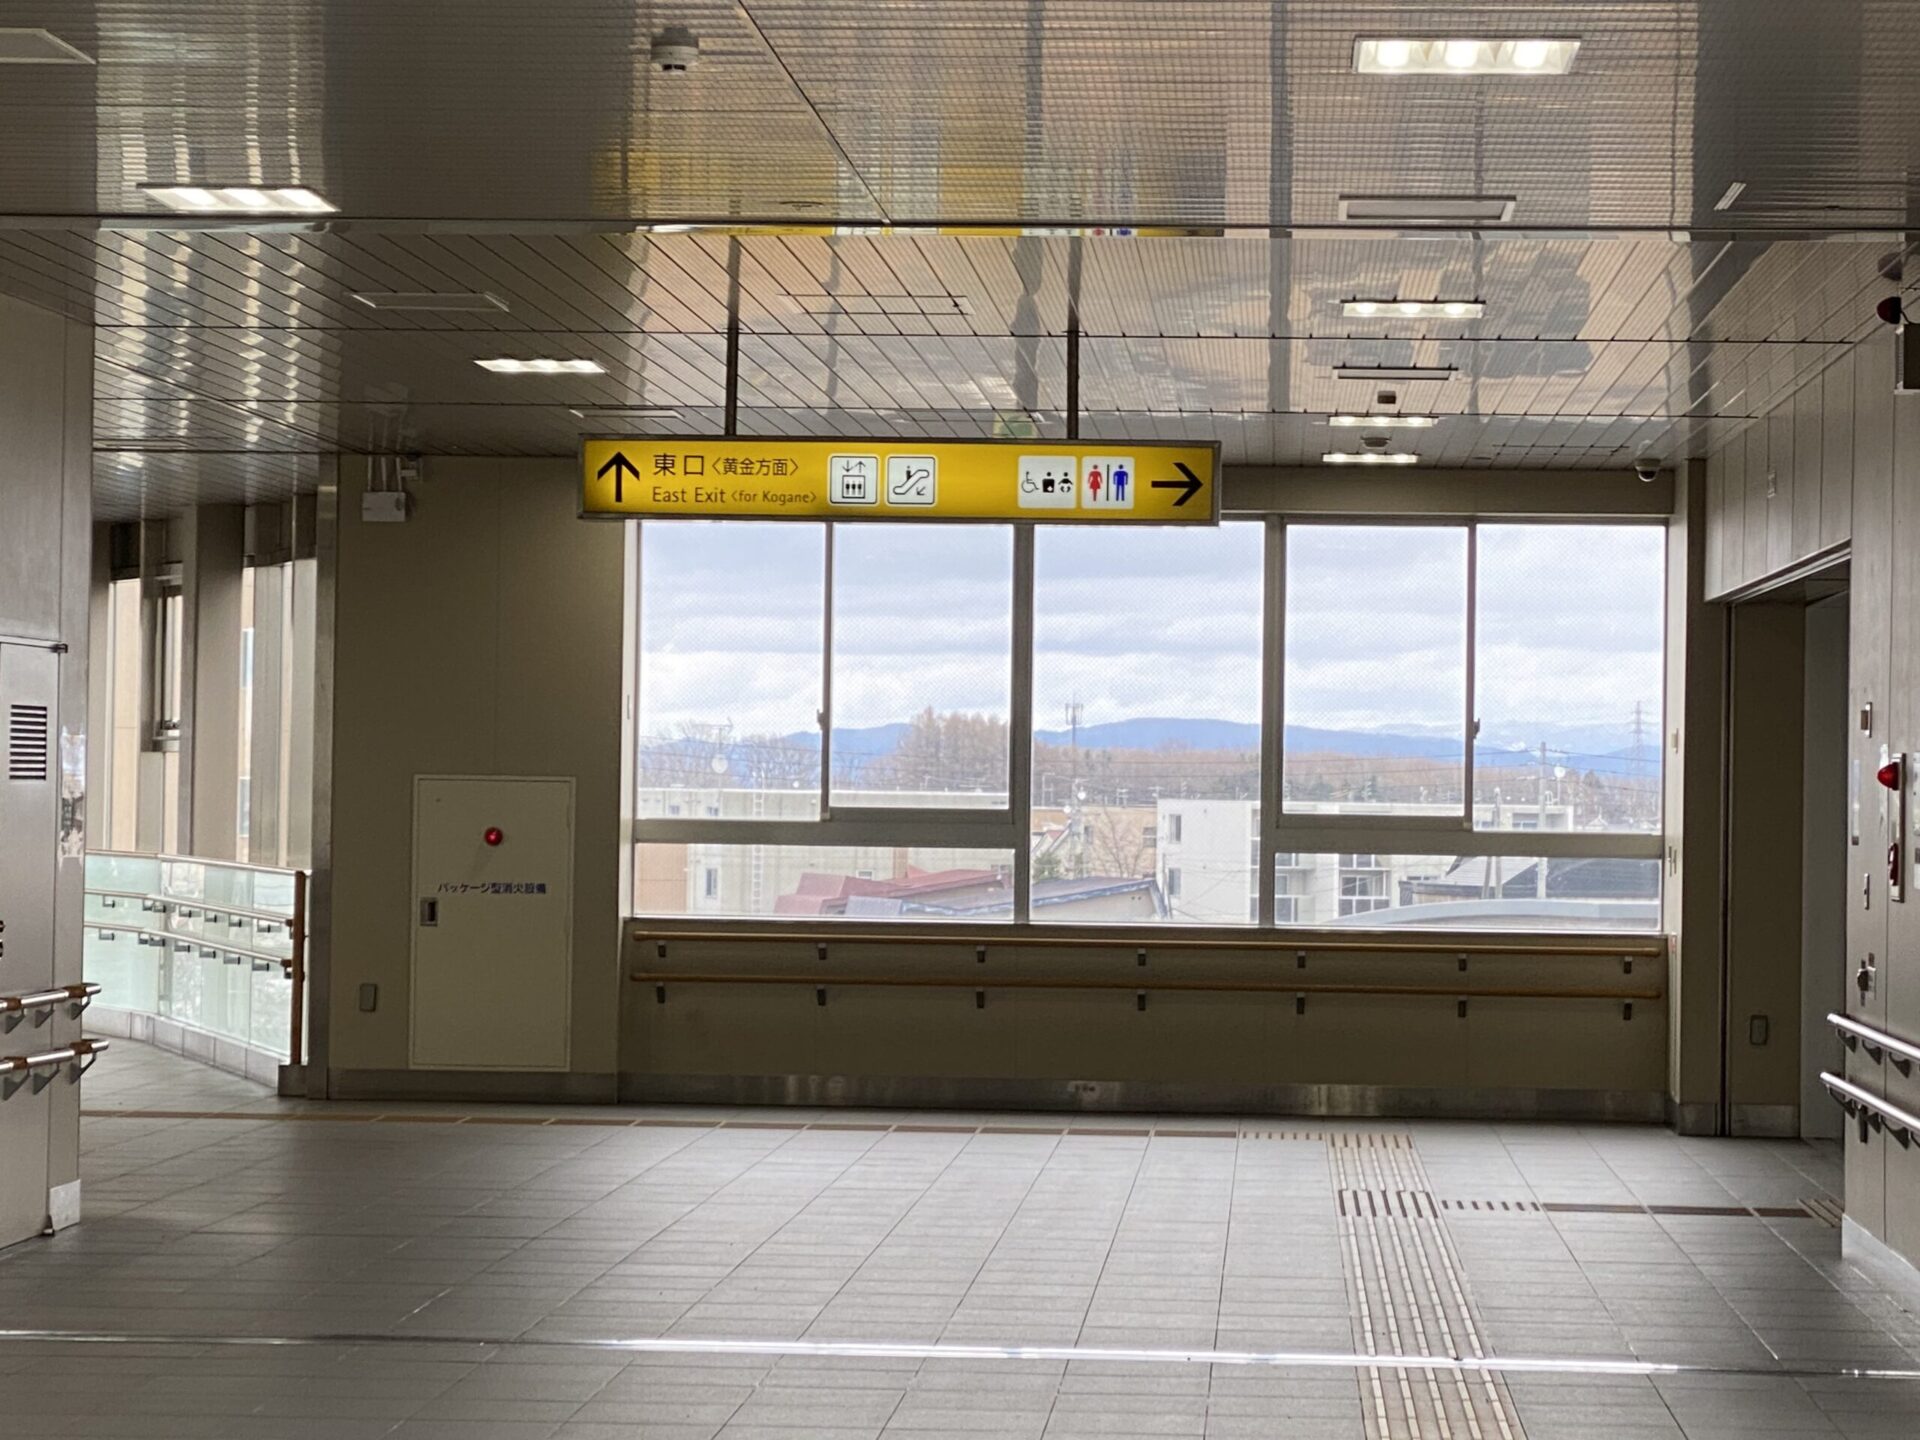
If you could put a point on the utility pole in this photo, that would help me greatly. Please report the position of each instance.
(1540, 865)
(1076, 802)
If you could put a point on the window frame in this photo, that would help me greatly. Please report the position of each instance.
(1280, 834)
(841, 822)
(1299, 834)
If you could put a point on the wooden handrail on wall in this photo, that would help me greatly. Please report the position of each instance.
(1028, 940)
(1249, 987)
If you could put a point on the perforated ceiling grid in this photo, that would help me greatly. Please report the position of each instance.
(509, 149)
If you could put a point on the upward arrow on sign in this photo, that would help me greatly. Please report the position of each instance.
(623, 467)
(1188, 487)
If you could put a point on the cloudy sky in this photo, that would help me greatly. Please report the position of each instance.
(1150, 622)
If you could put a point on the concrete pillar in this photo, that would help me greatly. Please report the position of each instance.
(212, 556)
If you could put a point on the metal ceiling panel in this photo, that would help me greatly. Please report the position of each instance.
(528, 153)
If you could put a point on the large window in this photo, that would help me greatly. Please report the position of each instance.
(922, 664)
(732, 634)
(1376, 671)
(1442, 725)
(1146, 717)
(1569, 664)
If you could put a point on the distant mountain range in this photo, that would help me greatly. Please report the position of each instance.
(1604, 749)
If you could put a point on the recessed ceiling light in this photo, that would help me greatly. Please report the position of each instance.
(542, 367)
(1395, 372)
(1414, 309)
(612, 419)
(1382, 422)
(1427, 209)
(1465, 55)
(429, 300)
(1367, 457)
(22, 46)
(239, 199)
(1734, 192)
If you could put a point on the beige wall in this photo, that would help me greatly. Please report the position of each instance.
(1696, 659)
(1837, 470)
(1098, 1049)
(481, 637)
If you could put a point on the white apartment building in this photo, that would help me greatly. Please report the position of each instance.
(1208, 863)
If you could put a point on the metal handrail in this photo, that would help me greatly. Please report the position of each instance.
(662, 978)
(285, 962)
(47, 999)
(1877, 1043)
(192, 860)
(1157, 940)
(41, 1004)
(1871, 1111)
(173, 903)
(18, 1071)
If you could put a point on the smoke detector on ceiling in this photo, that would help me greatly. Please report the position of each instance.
(676, 50)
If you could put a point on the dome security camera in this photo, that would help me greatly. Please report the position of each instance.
(1891, 311)
(675, 50)
(1647, 470)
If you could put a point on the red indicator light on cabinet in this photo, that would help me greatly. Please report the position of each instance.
(1889, 775)
(494, 835)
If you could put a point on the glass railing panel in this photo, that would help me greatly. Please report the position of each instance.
(198, 941)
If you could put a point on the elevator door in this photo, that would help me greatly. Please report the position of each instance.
(29, 839)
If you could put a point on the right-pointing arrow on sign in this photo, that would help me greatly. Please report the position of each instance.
(1188, 487)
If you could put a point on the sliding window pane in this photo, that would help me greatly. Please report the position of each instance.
(1376, 670)
(922, 665)
(1570, 670)
(1146, 747)
(825, 882)
(732, 635)
(1607, 894)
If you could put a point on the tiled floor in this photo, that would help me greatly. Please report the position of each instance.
(663, 1274)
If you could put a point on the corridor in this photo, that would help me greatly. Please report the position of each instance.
(271, 1268)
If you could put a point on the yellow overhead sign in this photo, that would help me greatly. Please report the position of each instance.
(1098, 481)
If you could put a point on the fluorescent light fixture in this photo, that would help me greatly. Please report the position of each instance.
(1427, 209)
(615, 418)
(1395, 372)
(1414, 309)
(508, 366)
(1382, 422)
(239, 199)
(1465, 55)
(1368, 457)
(429, 300)
(1732, 197)
(22, 46)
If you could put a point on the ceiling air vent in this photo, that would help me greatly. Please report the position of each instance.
(27, 743)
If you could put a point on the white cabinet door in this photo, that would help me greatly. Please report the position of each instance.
(492, 923)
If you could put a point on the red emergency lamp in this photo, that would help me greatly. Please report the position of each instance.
(1889, 775)
(494, 835)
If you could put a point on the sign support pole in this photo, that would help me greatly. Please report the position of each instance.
(730, 420)
(1073, 338)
